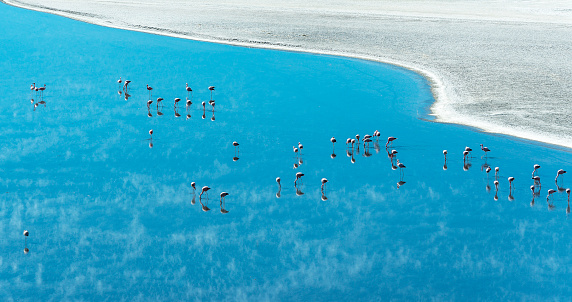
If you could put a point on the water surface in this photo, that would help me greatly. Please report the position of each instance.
(111, 218)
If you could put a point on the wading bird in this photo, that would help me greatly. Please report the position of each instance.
(211, 88)
(298, 176)
(536, 167)
(390, 141)
(189, 90)
(203, 190)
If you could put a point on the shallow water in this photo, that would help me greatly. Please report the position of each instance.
(111, 218)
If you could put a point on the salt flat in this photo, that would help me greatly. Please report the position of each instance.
(501, 66)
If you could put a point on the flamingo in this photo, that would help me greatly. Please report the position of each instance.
(400, 165)
(149, 89)
(376, 134)
(151, 133)
(158, 101)
(119, 81)
(537, 179)
(510, 180)
(465, 153)
(488, 169)
(189, 90)
(348, 141)
(26, 233)
(550, 192)
(177, 100)
(211, 88)
(298, 176)
(560, 172)
(42, 90)
(222, 196)
(568, 192)
(203, 190)
(324, 181)
(497, 172)
(193, 185)
(390, 140)
(485, 149)
(366, 140)
(300, 147)
(353, 142)
(532, 189)
(295, 150)
(235, 144)
(149, 102)
(536, 167)
(278, 181)
(204, 106)
(125, 85)
(333, 140)
(212, 103)
(189, 103)
(445, 154)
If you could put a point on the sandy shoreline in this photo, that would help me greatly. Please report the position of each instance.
(496, 68)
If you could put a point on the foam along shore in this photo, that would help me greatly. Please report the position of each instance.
(501, 66)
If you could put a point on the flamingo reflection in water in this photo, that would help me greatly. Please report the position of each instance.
(532, 189)
(496, 182)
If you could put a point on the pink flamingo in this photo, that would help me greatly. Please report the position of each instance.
(42, 90)
(203, 190)
(550, 192)
(536, 167)
(149, 89)
(485, 149)
(151, 133)
(177, 100)
(222, 196)
(560, 172)
(401, 166)
(324, 181)
(537, 180)
(189, 90)
(158, 101)
(390, 140)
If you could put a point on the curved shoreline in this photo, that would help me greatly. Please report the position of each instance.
(441, 109)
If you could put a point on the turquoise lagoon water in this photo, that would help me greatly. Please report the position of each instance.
(112, 219)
